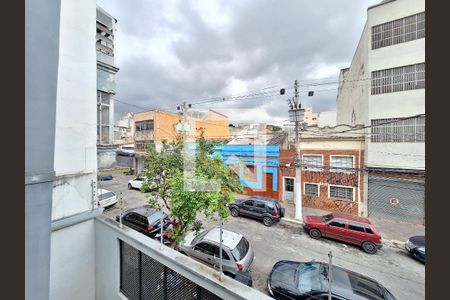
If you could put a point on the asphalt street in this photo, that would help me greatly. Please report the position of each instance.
(391, 266)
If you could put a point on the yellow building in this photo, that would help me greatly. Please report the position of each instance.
(152, 127)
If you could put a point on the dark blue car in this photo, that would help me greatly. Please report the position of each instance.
(416, 247)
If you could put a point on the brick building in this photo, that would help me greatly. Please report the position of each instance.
(152, 127)
(332, 172)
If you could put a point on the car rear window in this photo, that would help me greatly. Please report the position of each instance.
(156, 217)
(105, 196)
(241, 249)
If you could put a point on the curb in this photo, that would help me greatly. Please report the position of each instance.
(395, 243)
(292, 221)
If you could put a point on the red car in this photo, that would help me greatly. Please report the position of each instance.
(346, 228)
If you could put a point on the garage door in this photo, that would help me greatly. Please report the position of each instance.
(396, 199)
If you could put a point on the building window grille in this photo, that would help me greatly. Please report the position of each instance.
(289, 184)
(142, 277)
(313, 162)
(398, 79)
(103, 119)
(142, 146)
(398, 131)
(341, 192)
(311, 189)
(341, 164)
(398, 31)
(144, 125)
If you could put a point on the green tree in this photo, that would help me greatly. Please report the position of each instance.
(186, 204)
(159, 167)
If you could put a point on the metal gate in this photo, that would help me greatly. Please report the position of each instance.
(143, 278)
(396, 199)
(124, 161)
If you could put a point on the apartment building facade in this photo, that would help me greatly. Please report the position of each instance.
(152, 127)
(384, 89)
(310, 118)
(106, 86)
(332, 170)
(71, 251)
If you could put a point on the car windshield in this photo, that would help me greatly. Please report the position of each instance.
(308, 277)
(241, 249)
(105, 195)
(153, 218)
(199, 237)
(327, 218)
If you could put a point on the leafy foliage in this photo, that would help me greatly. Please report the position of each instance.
(184, 193)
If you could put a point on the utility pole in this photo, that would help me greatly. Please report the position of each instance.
(184, 108)
(296, 114)
(184, 121)
(298, 158)
(330, 274)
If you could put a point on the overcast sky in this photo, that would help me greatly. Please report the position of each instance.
(169, 51)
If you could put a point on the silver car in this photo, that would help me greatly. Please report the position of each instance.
(237, 253)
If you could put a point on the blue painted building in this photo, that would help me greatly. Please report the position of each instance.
(258, 167)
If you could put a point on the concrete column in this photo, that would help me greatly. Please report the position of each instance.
(41, 72)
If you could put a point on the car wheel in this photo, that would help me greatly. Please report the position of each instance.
(267, 221)
(369, 247)
(315, 233)
(129, 186)
(184, 253)
(234, 212)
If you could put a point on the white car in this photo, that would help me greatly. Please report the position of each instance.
(136, 183)
(237, 253)
(106, 198)
(127, 150)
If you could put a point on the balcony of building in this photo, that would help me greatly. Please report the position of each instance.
(144, 135)
(129, 265)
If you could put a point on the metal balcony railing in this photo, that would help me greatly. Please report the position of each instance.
(130, 265)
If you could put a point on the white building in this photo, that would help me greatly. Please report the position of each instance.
(384, 89)
(326, 118)
(123, 130)
(310, 117)
(75, 162)
(106, 86)
(71, 251)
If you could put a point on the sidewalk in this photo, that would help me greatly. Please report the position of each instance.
(390, 230)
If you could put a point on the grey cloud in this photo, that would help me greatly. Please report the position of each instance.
(273, 42)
